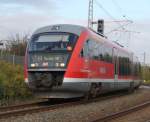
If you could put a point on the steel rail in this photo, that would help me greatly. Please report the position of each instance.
(20, 106)
(123, 112)
(35, 108)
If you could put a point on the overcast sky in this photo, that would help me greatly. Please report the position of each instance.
(24, 16)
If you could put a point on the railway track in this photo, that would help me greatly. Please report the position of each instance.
(47, 106)
(25, 105)
(123, 112)
(18, 109)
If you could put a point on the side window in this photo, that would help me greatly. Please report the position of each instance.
(93, 49)
(108, 54)
(105, 53)
(84, 52)
(136, 67)
(97, 51)
(124, 65)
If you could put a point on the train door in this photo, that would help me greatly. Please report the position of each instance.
(116, 67)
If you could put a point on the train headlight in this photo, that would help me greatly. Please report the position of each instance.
(33, 65)
(62, 65)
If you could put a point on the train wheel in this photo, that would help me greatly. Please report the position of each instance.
(93, 90)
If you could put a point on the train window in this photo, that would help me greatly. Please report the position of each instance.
(124, 65)
(105, 53)
(136, 71)
(52, 41)
(85, 51)
(93, 49)
(100, 51)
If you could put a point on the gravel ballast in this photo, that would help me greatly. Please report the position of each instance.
(87, 112)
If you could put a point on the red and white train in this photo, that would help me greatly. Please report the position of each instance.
(65, 61)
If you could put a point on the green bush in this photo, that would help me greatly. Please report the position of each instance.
(12, 82)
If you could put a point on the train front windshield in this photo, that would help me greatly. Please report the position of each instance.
(51, 50)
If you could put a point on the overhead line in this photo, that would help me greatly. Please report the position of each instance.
(122, 26)
(120, 10)
(101, 7)
(117, 5)
(105, 10)
(115, 20)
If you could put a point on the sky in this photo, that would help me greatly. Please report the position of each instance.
(25, 16)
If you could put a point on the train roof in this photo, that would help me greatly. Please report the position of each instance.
(75, 29)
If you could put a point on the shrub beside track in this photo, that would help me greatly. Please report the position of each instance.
(12, 84)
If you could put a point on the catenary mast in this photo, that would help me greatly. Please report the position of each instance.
(90, 14)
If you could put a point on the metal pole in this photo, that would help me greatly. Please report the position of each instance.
(90, 14)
